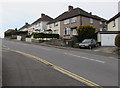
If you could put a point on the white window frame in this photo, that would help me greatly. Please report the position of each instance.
(67, 21)
(114, 24)
(101, 22)
(56, 24)
(55, 31)
(91, 21)
(68, 31)
(50, 25)
(73, 20)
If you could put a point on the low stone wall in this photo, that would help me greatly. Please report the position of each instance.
(28, 39)
(56, 42)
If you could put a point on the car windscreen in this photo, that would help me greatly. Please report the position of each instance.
(86, 41)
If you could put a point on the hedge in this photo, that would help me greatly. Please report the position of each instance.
(117, 40)
(42, 35)
(22, 32)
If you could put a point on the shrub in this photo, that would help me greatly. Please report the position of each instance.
(22, 32)
(86, 32)
(117, 40)
(42, 35)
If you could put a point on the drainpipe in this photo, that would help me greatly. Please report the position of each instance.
(80, 20)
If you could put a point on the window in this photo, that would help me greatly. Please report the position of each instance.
(55, 31)
(101, 29)
(56, 24)
(66, 21)
(67, 31)
(113, 23)
(74, 19)
(101, 23)
(91, 21)
(74, 32)
(50, 25)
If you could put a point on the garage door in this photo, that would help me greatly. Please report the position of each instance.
(108, 39)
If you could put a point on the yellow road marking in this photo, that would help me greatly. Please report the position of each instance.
(79, 78)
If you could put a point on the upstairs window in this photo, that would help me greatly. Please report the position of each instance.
(66, 21)
(55, 31)
(73, 20)
(50, 25)
(101, 23)
(114, 23)
(91, 21)
(56, 24)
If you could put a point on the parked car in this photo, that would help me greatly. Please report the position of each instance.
(88, 43)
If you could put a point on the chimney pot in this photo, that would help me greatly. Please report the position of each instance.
(42, 15)
(70, 8)
(26, 23)
(91, 13)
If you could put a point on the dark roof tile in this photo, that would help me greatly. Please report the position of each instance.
(113, 18)
(73, 13)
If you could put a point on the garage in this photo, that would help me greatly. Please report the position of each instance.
(107, 38)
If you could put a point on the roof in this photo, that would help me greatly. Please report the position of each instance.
(113, 18)
(25, 26)
(10, 30)
(109, 32)
(73, 13)
(45, 18)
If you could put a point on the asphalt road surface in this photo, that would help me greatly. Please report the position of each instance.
(99, 69)
(20, 70)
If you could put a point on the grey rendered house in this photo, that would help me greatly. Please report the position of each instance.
(75, 17)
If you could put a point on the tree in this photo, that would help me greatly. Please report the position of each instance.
(117, 40)
(86, 32)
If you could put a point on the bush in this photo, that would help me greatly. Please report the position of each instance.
(117, 40)
(42, 35)
(86, 32)
(22, 32)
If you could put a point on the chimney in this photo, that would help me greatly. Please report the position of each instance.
(42, 15)
(90, 13)
(26, 23)
(70, 8)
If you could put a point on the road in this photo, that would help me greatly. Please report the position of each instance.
(20, 70)
(99, 69)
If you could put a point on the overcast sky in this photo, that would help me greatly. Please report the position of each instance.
(14, 14)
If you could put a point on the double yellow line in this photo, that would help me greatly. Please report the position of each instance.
(79, 78)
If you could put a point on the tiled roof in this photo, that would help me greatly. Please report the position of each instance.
(45, 18)
(73, 13)
(25, 26)
(113, 18)
(10, 30)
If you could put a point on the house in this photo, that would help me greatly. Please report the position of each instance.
(66, 23)
(40, 25)
(25, 27)
(107, 38)
(54, 26)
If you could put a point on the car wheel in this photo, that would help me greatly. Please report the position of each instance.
(90, 47)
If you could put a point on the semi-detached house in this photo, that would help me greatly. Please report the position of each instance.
(107, 38)
(38, 26)
(66, 23)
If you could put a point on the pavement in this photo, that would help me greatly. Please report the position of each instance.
(98, 67)
(20, 70)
